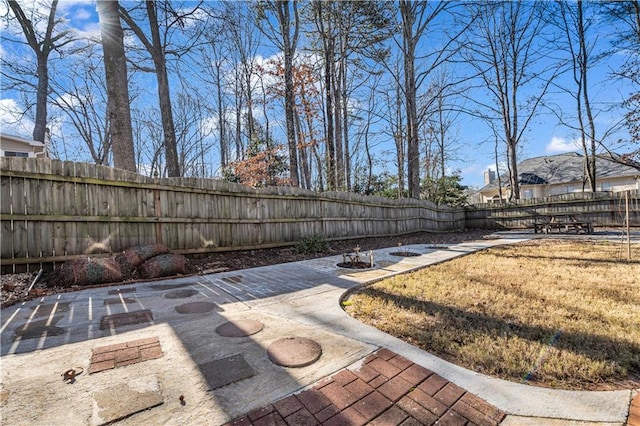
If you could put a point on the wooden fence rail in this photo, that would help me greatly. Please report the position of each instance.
(53, 211)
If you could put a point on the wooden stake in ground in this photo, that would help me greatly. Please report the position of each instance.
(626, 203)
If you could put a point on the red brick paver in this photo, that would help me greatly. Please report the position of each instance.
(121, 354)
(386, 390)
(634, 412)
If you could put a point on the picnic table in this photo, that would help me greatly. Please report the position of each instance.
(563, 223)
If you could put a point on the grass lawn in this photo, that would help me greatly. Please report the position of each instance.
(555, 313)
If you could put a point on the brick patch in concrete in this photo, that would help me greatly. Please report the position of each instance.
(121, 354)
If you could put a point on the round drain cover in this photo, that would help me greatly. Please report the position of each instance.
(241, 328)
(180, 294)
(196, 308)
(294, 352)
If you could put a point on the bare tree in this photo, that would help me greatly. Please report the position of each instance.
(579, 46)
(416, 18)
(327, 37)
(165, 15)
(82, 98)
(215, 55)
(285, 37)
(42, 45)
(119, 113)
(625, 17)
(507, 55)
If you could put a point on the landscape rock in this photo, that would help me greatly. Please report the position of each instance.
(133, 257)
(88, 271)
(163, 266)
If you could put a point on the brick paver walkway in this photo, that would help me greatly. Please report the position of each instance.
(634, 412)
(387, 389)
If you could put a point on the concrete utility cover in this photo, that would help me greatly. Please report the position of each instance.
(240, 328)
(124, 399)
(35, 329)
(294, 352)
(404, 253)
(46, 310)
(221, 372)
(180, 294)
(122, 290)
(128, 318)
(196, 308)
(169, 286)
(117, 301)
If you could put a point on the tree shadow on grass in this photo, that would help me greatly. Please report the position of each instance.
(625, 355)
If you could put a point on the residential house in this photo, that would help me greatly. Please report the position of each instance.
(560, 174)
(15, 146)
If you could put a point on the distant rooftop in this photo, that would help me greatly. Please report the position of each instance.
(562, 168)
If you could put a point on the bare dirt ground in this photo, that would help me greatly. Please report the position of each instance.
(18, 287)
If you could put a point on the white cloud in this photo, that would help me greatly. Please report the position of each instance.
(12, 121)
(82, 14)
(559, 145)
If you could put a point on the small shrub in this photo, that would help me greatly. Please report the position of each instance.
(313, 244)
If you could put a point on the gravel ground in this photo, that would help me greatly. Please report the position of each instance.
(20, 287)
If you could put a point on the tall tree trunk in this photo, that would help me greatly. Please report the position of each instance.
(119, 113)
(399, 140)
(513, 172)
(304, 156)
(591, 130)
(239, 104)
(164, 96)
(289, 47)
(221, 119)
(413, 146)
(327, 41)
(345, 128)
(40, 128)
(337, 111)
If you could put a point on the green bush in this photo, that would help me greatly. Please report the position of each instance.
(313, 244)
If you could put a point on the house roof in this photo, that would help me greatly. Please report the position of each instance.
(562, 168)
(13, 138)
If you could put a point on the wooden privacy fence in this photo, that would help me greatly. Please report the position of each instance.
(601, 208)
(53, 211)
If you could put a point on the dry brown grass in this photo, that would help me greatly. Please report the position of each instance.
(550, 313)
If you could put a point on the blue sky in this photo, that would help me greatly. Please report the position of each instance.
(473, 139)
